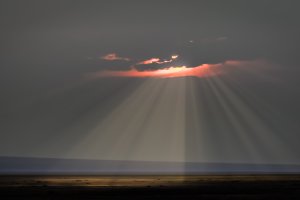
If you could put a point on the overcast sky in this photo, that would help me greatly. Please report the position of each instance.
(64, 94)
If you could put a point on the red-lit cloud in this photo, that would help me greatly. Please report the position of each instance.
(114, 56)
(204, 70)
(157, 60)
(149, 61)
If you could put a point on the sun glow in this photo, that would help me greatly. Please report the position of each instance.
(174, 57)
(203, 70)
(170, 72)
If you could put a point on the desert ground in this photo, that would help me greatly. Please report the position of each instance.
(151, 187)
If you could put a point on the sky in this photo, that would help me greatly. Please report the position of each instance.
(183, 81)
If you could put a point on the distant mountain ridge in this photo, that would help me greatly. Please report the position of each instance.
(30, 165)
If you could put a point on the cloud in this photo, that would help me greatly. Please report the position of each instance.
(200, 71)
(149, 61)
(114, 56)
(203, 70)
(157, 60)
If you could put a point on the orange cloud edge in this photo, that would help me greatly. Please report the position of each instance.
(204, 70)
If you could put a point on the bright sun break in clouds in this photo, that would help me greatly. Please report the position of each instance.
(172, 71)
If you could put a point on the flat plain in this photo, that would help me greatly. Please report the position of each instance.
(270, 186)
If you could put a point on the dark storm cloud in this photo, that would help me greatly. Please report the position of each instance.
(65, 32)
(152, 66)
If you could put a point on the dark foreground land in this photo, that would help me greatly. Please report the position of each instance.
(151, 187)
